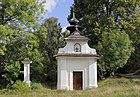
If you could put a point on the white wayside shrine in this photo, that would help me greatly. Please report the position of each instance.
(77, 62)
(27, 63)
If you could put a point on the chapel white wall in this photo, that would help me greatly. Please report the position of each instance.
(66, 66)
(69, 48)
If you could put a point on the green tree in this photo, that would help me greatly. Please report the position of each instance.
(115, 48)
(4, 31)
(96, 15)
(18, 22)
(50, 40)
(99, 15)
(134, 62)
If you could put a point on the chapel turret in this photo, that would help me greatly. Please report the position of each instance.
(73, 23)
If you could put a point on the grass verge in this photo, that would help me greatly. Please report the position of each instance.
(111, 87)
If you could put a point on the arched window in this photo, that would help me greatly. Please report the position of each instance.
(77, 47)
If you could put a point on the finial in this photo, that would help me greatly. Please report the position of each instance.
(73, 21)
(73, 12)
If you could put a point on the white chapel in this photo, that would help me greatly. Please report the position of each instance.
(76, 62)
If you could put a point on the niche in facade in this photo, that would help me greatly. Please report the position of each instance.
(77, 47)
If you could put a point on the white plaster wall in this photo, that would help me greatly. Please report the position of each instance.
(77, 64)
(66, 66)
(92, 73)
(62, 82)
(69, 48)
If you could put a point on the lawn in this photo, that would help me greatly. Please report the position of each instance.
(111, 87)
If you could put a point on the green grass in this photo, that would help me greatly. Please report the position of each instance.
(112, 87)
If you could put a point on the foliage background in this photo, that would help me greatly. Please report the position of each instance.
(113, 27)
(115, 18)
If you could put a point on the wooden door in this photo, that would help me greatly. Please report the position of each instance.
(77, 80)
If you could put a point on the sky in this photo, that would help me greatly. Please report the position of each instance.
(59, 9)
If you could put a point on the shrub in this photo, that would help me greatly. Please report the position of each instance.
(36, 86)
(20, 86)
(116, 48)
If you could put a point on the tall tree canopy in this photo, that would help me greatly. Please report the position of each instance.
(115, 49)
(18, 20)
(22, 36)
(99, 15)
(50, 40)
(95, 15)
